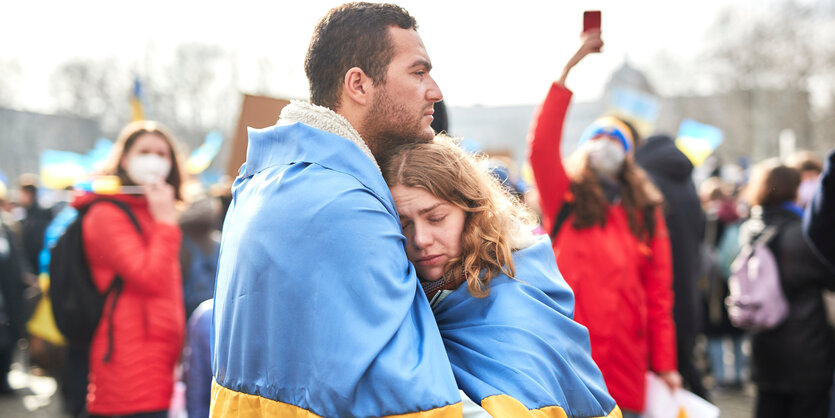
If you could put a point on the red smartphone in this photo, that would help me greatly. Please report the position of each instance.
(591, 20)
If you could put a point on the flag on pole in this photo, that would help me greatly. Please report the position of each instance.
(136, 101)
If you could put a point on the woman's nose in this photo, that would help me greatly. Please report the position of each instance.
(422, 237)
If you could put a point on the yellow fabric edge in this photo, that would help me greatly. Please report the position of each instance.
(229, 403)
(42, 322)
(507, 406)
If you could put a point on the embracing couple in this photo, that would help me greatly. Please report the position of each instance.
(340, 211)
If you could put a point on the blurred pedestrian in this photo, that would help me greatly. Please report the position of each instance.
(12, 318)
(34, 223)
(810, 168)
(134, 351)
(671, 171)
(793, 363)
(819, 222)
(611, 243)
(503, 310)
(721, 246)
(197, 361)
(317, 308)
(819, 227)
(200, 251)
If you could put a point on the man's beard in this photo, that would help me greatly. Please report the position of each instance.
(389, 126)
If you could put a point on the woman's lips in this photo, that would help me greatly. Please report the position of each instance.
(429, 260)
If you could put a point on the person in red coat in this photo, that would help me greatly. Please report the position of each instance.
(137, 377)
(611, 246)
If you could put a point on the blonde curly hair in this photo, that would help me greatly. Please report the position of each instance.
(496, 223)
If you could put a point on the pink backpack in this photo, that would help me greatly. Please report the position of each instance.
(756, 301)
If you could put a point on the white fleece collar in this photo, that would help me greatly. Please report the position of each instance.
(324, 119)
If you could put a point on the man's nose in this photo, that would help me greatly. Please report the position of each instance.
(434, 92)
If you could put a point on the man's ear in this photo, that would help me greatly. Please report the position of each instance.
(358, 86)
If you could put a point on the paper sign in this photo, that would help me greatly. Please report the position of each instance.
(256, 112)
(663, 403)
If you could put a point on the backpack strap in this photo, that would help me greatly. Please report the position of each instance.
(562, 215)
(117, 284)
(764, 237)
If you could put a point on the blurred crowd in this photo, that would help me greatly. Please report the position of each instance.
(669, 245)
(704, 221)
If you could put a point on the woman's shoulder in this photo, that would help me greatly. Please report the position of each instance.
(109, 216)
(536, 266)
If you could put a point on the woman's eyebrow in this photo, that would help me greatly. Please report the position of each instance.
(429, 209)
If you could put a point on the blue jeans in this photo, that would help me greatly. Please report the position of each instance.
(716, 353)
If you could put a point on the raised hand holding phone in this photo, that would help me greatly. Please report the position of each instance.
(591, 23)
(591, 42)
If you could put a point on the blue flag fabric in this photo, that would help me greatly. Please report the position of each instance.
(518, 352)
(318, 312)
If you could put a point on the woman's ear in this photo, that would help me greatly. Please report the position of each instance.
(357, 86)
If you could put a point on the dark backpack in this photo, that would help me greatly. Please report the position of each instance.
(77, 304)
(756, 301)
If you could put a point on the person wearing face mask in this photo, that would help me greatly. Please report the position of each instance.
(148, 318)
(610, 242)
(810, 168)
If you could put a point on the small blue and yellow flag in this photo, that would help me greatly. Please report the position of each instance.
(698, 140)
(136, 101)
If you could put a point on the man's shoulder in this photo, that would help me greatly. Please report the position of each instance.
(310, 190)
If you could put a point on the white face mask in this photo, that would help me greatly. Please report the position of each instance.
(605, 157)
(148, 169)
(806, 192)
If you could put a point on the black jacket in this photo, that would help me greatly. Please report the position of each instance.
(671, 171)
(800, 353)
(34, 227)
(11, 287)
(819, 224)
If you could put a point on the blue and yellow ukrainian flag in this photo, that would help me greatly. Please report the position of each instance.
(318, 312)
(698, 140)
(136, 102)
(518, 352)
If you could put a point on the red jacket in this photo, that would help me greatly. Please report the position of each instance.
(622, 286)
(149, 318)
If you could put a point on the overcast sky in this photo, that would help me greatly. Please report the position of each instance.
(489, 53)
